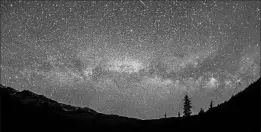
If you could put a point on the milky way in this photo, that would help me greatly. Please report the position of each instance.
(136, 59)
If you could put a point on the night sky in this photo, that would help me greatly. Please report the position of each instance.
(131, 58)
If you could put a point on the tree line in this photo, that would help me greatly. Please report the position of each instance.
(187, 108)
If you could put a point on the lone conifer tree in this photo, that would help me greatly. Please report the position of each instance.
(187, 106)
(201, 111)
(211, 105)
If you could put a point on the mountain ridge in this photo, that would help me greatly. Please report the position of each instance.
(33, 108)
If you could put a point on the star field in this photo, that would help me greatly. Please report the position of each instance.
(132, 58)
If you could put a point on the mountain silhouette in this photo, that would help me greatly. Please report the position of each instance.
(27, 111)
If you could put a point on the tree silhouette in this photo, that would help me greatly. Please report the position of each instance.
(211, 105)
(187, 106)
(201, 111)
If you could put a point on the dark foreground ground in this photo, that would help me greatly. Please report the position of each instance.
(25, 111)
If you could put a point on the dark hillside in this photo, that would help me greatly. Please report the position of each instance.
(26, 111)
